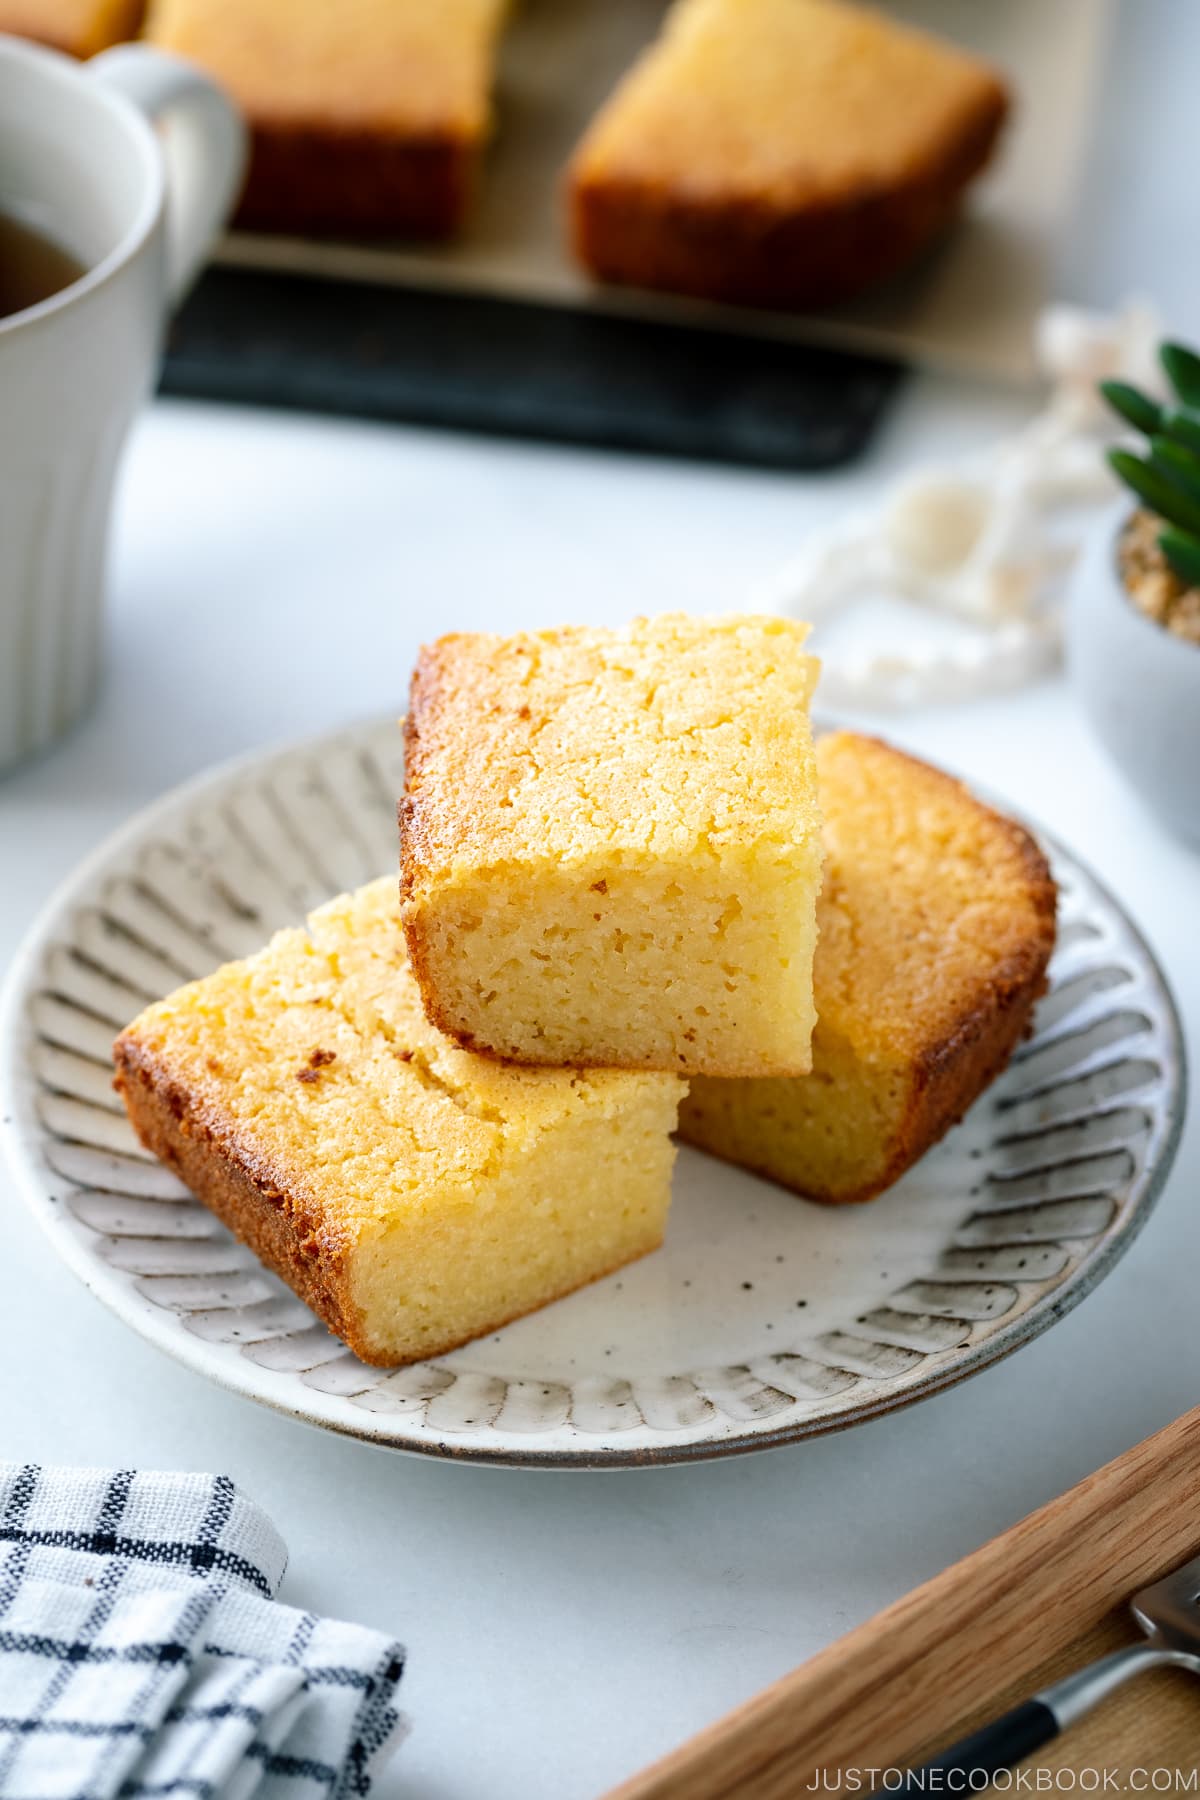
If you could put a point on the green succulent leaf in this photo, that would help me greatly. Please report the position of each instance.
(1183, 371)
(1135, 407)
(1139, 411)
(1183, 426)
(1177, 464)
(1182, 551)
(1159, 494)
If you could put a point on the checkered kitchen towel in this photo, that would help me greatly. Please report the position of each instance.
(142, 1652)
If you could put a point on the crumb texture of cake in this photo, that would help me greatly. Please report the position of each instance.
(367, 117)
(611, 847)
(414, 1195)
(78, 27)
(780, 152)
(936, 922)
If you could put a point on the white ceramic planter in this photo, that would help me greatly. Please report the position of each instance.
(1139, 686)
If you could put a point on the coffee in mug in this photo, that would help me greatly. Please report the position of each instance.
(33, 265)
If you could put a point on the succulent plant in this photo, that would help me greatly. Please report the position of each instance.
(1167, 478)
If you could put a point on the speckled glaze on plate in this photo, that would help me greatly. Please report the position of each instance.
(762, 1320)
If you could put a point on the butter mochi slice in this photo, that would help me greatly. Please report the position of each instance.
(413, 1195)
(611, 847)
(780, 152)
(937, 922)
(367, 117)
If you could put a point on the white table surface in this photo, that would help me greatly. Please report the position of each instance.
(272, 577)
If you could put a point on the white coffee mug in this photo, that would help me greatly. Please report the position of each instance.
(81, 161)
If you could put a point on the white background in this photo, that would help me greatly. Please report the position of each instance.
(272, 578)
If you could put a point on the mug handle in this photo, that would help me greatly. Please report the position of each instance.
(206, 157)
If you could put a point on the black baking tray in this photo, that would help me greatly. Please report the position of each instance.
(476, 363)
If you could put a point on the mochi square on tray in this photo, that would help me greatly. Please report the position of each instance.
(611, 844)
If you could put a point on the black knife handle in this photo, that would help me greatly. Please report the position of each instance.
(994, 1747)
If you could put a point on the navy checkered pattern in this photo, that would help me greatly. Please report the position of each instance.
(142, 1652)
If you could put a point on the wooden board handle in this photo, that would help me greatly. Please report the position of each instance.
(949, 1652)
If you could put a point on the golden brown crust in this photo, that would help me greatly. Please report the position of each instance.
(964, 1052)
(953, 1070)
(409, 810)
(288, 1234)
(285, 1231)
(1022, 971)
(356, 183)
(413, 833)
(751, 251)
(948, 1079)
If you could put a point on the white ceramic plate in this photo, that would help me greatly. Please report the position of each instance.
(762, 1320)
